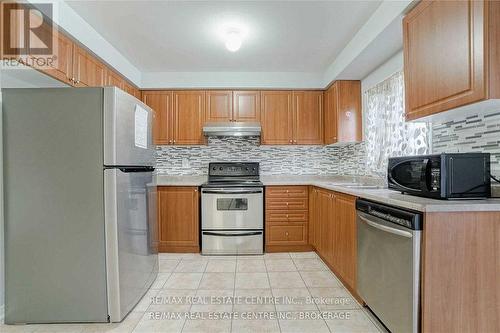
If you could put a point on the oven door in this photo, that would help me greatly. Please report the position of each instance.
(232, 208)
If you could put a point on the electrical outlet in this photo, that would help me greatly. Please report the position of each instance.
(185, 163)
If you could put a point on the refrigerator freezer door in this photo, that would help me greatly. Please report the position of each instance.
(131, 249)
(128, 136)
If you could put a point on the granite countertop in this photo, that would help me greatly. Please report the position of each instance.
(382, 195)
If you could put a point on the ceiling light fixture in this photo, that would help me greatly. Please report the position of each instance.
(234, 39)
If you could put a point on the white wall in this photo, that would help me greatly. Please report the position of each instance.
(391, 66)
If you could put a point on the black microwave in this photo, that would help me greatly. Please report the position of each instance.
(441, 176)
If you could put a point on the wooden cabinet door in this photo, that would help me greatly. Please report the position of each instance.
(178, 224)
(348, 111)
(115, 80)
(61, 68)
(189, 117)
(219, 105)
(330, 114)
(345, 239)
(131, 90)
(444, 60)
(276, 117)
(161, 102)
(246, 106)
(87, 70)
(314, 232)
(326, 210)
(308, 117)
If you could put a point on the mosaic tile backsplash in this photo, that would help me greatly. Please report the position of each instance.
(474, 133)
(347, 159)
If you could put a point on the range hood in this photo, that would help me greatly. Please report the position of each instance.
(232, 129)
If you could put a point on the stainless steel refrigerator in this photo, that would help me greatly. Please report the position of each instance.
(80, 210)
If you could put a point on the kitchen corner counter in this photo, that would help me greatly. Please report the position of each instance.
(385, 195)
(164, 180)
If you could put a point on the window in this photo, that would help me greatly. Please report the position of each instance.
(386, 131)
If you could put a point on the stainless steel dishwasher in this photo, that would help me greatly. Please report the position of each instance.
(388, 274)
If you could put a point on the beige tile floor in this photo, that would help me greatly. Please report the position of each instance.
(278, 287)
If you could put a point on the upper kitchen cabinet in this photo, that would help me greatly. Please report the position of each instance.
(292, 117)
(113, 79)
(161, 102)
(343, 114)
(276, 117)
(189, 117)
(179, 116)
(308, 117)
(226, 105)
(246, 106)
(61, 69)
(451, 55)
(219, 105)
(87, 70)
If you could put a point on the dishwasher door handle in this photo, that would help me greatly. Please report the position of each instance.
(381, 227)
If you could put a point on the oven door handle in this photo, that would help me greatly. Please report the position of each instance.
(384, 228)
(232, 234)
(234, 191)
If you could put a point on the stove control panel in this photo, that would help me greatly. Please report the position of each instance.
(233, 169)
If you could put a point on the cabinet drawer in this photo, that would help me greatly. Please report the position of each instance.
(278, 234)
(287, 204)
(287, 191)
(286, 216)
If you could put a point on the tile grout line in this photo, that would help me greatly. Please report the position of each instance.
(195, 292)
(317, 306)
(272, 294)
(234, 295)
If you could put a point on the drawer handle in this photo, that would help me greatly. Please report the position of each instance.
(252, 233)
(286, 233)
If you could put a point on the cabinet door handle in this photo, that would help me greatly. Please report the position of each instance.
(294, 141)
(291, 141)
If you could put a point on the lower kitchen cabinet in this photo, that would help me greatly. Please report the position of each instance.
(178, 219)
(333, 232)
(345, 238)
(326, 216)
(287, 218)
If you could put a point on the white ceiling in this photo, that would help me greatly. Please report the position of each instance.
(175, 36)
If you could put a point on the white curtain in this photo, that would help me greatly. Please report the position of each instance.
(386, 131)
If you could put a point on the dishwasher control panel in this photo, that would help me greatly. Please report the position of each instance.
(403, 217)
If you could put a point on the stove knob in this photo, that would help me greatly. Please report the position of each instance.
(214, 168)
(221, 168)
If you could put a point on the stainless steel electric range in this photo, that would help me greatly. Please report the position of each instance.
(232, 206)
